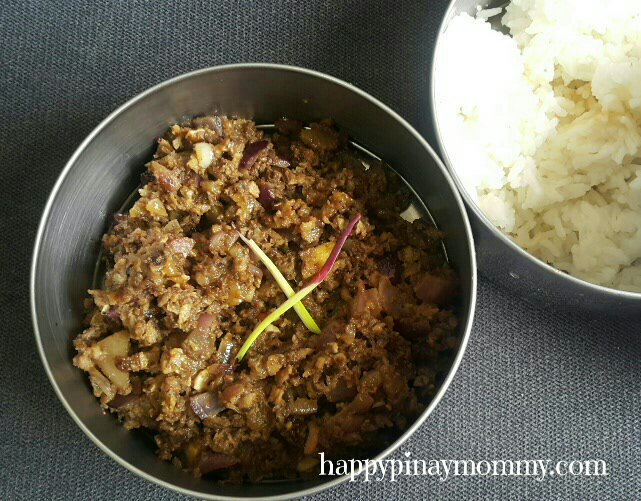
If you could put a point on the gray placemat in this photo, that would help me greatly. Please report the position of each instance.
(533, 384)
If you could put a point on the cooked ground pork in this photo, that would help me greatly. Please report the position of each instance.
(182, 292)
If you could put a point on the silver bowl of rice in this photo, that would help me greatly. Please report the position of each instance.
(537, 113)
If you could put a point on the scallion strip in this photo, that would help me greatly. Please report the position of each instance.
(301, 294)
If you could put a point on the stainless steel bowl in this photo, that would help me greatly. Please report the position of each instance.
(499, 258)
(106, 168)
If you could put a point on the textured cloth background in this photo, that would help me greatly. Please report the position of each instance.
(533, 384)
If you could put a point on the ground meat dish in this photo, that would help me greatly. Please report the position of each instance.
(182, 292)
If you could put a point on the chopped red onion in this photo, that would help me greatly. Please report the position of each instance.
(266, 196)
(205, 320)
(213, 123)
(221, 369)
(123, 400)
(256, 271)
(168, 182)
(221, 241)
(206, 405)
(250, 155)
(120, 401)
(113, 314)
(201, 341)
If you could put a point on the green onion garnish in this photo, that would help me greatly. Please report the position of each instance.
(301, 294)
(284, 285)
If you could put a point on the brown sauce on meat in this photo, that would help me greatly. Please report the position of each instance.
(182, 292)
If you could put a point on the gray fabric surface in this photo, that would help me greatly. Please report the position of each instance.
(533, 384)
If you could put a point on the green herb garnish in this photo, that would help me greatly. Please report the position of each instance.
(299, 308)
(301, 294)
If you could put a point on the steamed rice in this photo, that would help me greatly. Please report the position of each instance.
(543, 128)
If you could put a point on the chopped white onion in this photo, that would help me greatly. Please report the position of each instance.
(204, 154)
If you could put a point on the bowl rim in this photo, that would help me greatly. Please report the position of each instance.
(548, 269)
(465, 332)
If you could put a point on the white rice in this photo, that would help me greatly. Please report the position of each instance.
(544, 129)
